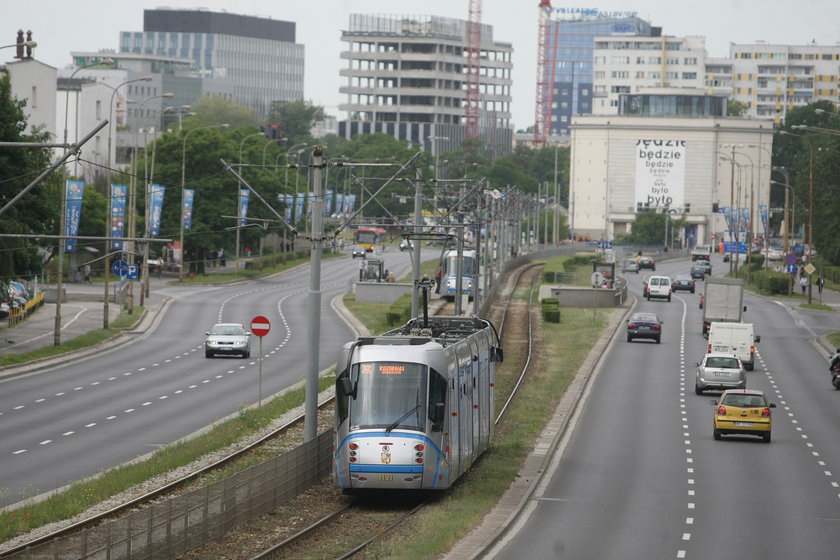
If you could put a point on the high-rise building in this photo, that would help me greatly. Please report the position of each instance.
(772, 79)
(569, 56)
(406, 77)
(252, 60)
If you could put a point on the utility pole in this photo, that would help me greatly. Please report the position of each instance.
(314, 307)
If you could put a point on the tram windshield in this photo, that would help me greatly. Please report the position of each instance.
(389, 395)
(467, 266)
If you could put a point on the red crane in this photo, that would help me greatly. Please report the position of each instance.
(542, 117)
(473, 67)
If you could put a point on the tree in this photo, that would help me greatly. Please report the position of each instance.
(38, 211)
(736, 108)
(295, 119)
(213, 111)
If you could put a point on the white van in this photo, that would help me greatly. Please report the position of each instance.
(659, 287)
(734, 339)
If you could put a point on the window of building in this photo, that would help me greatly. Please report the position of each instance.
(600, 74)
(654, 60)
(672, 75)
(33, 99)
(620, 74)
(98, 109)
(689, 75)
(620, 60)
(690, 60)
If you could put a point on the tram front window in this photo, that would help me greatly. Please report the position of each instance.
(389, 395)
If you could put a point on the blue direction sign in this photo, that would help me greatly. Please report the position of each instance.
(121, 268)
(133, 272)
(790, 269)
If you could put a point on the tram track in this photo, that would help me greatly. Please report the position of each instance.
(354, 517)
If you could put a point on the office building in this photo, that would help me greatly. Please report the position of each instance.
(406, 75)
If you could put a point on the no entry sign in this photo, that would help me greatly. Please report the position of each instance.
(260, 326)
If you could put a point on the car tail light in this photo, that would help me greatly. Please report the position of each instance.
(656, 327)
(752, 349)
(631, 325)
(721, 411)
(709, 349)
(765, 413)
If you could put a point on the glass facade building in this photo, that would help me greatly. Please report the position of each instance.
(571, 75)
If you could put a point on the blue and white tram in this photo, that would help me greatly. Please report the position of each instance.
(414, 406)
(449, 273)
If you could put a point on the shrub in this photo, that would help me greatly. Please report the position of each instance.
(400, 311)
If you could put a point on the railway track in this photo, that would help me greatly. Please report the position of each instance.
(353, 525)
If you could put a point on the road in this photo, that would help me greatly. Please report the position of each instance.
(638, 475)
(64, 423)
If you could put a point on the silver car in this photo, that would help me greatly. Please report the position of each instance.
(227, 339)
(719, 372)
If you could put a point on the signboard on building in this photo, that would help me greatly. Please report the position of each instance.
(660, 173)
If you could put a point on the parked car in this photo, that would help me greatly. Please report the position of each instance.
(740, 411)
(644, 325)
(647, 262)
(4, 310)
(719, 372)
(683, 282)
(698, 272)
(775, 254)
(227, 339)
(629, 265)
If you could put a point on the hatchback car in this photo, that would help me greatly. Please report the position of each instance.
(719, 372)
(743, 412)
(647, 262)
(644, 325)
(683, 282)
(358, 251)
(698, 272)
(629, 265)
(227, 339)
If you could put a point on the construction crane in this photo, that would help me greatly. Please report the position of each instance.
(473, 68)
(545, 72)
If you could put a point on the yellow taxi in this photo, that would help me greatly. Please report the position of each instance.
(741, 411)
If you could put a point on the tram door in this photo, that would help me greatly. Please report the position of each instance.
(465, 380)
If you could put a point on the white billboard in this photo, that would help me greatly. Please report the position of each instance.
(660, 173)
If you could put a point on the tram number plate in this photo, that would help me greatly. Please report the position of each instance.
(386, 477)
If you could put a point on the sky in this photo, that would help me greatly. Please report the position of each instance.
(61, 26)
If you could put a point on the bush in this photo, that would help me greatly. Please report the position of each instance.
(770, 282)
(551, 310)
(400, 311)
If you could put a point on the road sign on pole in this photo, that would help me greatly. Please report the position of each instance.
(260, 326)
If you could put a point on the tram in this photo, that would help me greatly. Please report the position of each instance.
(449, 273)
(414, 406)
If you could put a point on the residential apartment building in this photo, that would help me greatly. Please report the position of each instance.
(569, 54)
(406, 77)
(773, 79)
(628, 65)
(254, 61)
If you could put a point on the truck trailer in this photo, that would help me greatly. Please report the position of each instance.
(723, 302)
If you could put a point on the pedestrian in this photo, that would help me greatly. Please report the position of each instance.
(820, 284)
(159, 268)
(222, 258)
(803, 283)
(87, 274)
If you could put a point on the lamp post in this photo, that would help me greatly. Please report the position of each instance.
(183, 174)
(103, 62)
(267, 144)
(787, 227)
(807, 141)
(291, 150)
(239, 193)
(731, 198)
(752, 203)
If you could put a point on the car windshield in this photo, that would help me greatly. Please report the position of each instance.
(743, 400)
(228, 330)
(722, 362)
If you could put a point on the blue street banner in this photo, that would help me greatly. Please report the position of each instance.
(763, 213)
(298, 207)
(309, 203)
(328, 202)
(286, 200)
(155, 209)
(339, 204)
(74, 192)
(350, 204)
(189, 196)
(118, 200)
(243, 206)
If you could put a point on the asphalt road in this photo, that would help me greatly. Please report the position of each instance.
(68, 420)
(638, 474)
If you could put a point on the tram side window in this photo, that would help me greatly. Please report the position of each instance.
(437, 400)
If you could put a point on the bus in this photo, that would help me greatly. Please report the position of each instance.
(369, 237)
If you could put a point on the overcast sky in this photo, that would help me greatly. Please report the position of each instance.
(62, 26)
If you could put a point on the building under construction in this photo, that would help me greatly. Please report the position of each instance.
(407, 76)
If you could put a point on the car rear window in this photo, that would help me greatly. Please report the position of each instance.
(722, 363)
(743, 400)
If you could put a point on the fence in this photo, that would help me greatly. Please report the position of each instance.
(179, 524)
(18, 314)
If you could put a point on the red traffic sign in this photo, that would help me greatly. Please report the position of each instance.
(791, 258)
(260, 326)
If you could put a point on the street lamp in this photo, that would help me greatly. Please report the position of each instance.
(807, 141)
(267, 144)
(183, 173)
(103, 62)
(239, 193)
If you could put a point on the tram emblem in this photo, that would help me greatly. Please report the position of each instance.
(385, 456)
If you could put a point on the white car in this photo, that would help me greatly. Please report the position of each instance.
(775, 254)
(406, 245)
(227, 339)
